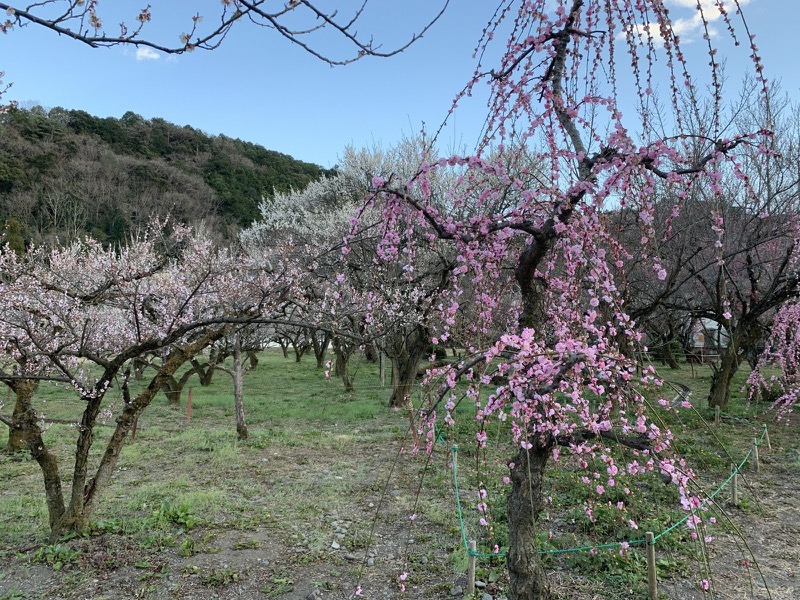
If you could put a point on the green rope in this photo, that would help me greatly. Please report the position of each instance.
(476, 554)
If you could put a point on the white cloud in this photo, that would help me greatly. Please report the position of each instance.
(146, 54)
(687, 21)
(692, 26)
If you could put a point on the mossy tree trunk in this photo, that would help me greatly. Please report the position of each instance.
(18, 431)
(406, 352)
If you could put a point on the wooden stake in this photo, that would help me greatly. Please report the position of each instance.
(766, 438)
(471, 568)
(135, 426)
(189, 406)
(716, 415)
(652, 579)
(756, 463)
(735, 486)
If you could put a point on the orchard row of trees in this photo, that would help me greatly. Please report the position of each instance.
(65, 173)
(576, 222)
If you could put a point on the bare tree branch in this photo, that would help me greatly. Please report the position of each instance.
(81, 21)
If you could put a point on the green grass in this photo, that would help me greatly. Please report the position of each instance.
(182, 482)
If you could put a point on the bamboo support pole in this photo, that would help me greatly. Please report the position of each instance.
(735, 487)
(766, 438)
(652, 579)
(756, 462)
(471, 568)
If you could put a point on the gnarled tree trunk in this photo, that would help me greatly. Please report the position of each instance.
(528, 580)
(19, 430)
(406, 353)
(86, 491)
(722, 377)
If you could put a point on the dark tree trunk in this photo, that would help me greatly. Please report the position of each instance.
(18, 432)
(406, 353)
(76, 517)
(371, 352)
(528, 580)
(284, 344)
(669, 357)
(25, 430)
(320, 347)
(722, 377)
(238, 390)
(139, 365)
(299, 348)
(341, 366)
(172, 390)
(205, 371)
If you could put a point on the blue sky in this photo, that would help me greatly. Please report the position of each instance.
(260, 88)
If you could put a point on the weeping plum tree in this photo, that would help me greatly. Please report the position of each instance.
(565, 352)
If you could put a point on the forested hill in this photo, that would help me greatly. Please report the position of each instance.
(65, 173)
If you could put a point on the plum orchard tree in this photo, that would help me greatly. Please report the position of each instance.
(310, 222)
(400, 297)
(728, 253)
(376, 302)
(554, 93)
(83, 313)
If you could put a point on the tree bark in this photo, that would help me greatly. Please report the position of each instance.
(139, 365)
(205, 371)
(25, 429)
(18, 432)
(341, 367)
(87, 492)
(299, 348)
(238, 389)
(320, 347)
(721, 378)
(528, 580)
(172, 390)
(406, 354)
(669, 357)
(284, 344)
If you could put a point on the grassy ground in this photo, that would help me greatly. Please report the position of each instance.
(319, 500)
